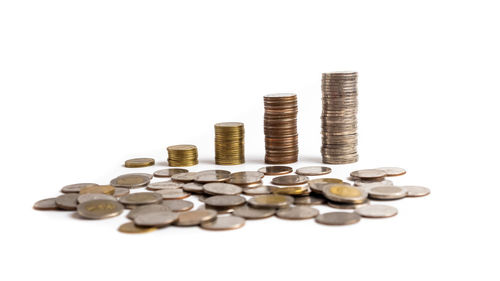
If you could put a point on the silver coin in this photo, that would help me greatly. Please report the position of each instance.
(317, 185)
(386, 192)
(271, 201)
(297, 213)
(344, 193)
(416, 191)
(224, 223)
(338, 218)
(218, 210)
(290, 180)
(248, 212)
(178, 205)
(166, 173)
(368, 174)
(141, 198)
(349, 206)
(250, 185)
(225, 201)
(367, 185)
(164, 185)
(263, 189)
(67, 201)
(392, 171)
(213, 176)
(75, 188)
(276, 170)
(45, 204)
(377, 211)
(308, 200)
(193, 187)
(158, 219)
(313, 171)
(121, 191)
(196, 217)
(133, 180)
(184, 177)
(246, 177)
(99, 209)
(173, 194)
(94, 196)
(151, 208)
(217, 188)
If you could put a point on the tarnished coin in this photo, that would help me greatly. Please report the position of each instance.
(377, 211)
(151, 208)
(290, 180)
(67, 201)
(263, 189)
(193, 187)
(99, 209)
(271, 201)
(141, 198)
(392, 171)
(248, 212)
(139, 162)
(164, 185)
(288, 190)
(317, 185)
(297, 213)
(224, 223)
(246, 177)
(131, 228)
(196, 217)
(173, 194)
(313, 171)
(344, 193)
(166, 173)
(416, 191)
(75, 188)
(368, 174)
(94, 196)
(218, 188)
(308, 200)
(213, 176)
(103, 189)
(338, 205)
(225, 201)
(367, 185)
(184, 177)
(275, 170)
(386, 192)
(338, 218)
(178, 205)
(120, 191)
(157, 219)
(46, 204)
(134, 180)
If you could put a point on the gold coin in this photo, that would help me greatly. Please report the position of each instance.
(104, 189)
(344, 193)
(289, 190)
(130, 227)
(139, 162)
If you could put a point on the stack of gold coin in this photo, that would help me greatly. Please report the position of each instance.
(182, 155)
(339, 123)
(280, 128)
(229, 143)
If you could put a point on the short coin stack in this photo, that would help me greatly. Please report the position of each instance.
(280, 128)
(339, 123)
(229, 143)
(182, 155)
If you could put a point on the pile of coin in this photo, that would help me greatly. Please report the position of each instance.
(182, 155)
(339, 123)
(280, 128)
(229, 143)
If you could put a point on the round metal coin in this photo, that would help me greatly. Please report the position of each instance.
(178, 205)
(131, 228)
(338, 205)
(184, 177)
(120, 191)
(263, 189)
(275, 170)
(271, 201)
(99, 209)
(45, 204)
(193, 187)
(139, 162)
(196, 217)
(386, 192)
(338, 218)
(151, 208)
(246, 177)
(224, 223)
(75, 188)
(141, 198)
(164, 185)
(308, 200)
(290, 180)
(67, 201)
(158, 219)
(225, 201)
(173, 194)
(217, 188)
(392, 171)
(313, 171)
(130, 180)
(368, 174)
(297, 213)
(416, 191)
(344, 193)
(103, 189)
(317, 185)
(94, 196)
(377, 211)
(213, 176)
(166, 173)
(248, 212)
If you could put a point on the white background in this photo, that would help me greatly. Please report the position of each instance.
(86, 85)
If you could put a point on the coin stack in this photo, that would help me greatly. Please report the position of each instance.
(280, 128)
(229, 143)
(339, 123)
(182, 155)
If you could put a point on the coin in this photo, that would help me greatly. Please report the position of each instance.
(120, 191)
(344, 193)
(275, 170)
(94, 196)
(308, 200)
(184, 177)
(288, 190)
(196, 217)
(134, 180)
(141, 198)
(250, 185)
(166, 173)
(151, 208)
(264, 189)
(377, 211)
(392, 171)
(173, 194)
(367, 185)
(213, 176)
(99, 209)
(297, 213)
(164, 185)
(368, 174)
(103, 189)
(193, 187)
(386, 192)
(338, 218)
(248, 212)
(157, 219)
(224, 201)
(246, 178)
(229, 143)
(67, 201)
(217, 188)
(139, 162)
(182, 155)
(317, 185)
(313, 171)
(131, 228)
(416, 191)
(290, 180)
(178, 205)
(224, 223)
(75, 188)
(46, 204)
(271, 201)
(339, 205)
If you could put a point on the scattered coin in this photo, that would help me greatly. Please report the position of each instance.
(248, 212)
(103, 189)
(392, 171)
(308, 200)
(100, 209)
(196, 217)
(344, 193)
(338, 218)
(339, 205)
(224, 223)
(173, 194)
(217, 188)
(271, 201)
(157, 219)
(218, 210)
(178, 205)
(313, 171)
(290, 180)
(75, 188)
(386, 192)
(377, 211)
(250, 185)
(67, 201)
(134, 180)
(94, 196)
(297, 213)
(139, 162)
(317, 185)
(246, 178)
(130, 227)
(46, 204)
(289, 190)
(184, 177)
(120, 191)
(166, 173)
(164, 185)
(225, 201)
(263, 189)
(368, 174)
(193, 187)
(213, 176)
(151, 208)
(182, 155)
(141, 198)
(275, 170)
(416, 191)
(367, 185)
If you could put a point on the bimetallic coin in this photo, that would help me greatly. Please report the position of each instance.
(166, 173)
(313, 171)
(288, 190)
(308, 200)
(157, 219)
(196, 217)
(317, 185)
(213, 176)
(75, 188)
(392, 171)
(121, 191)
(246, 177)
(193, 187)
(297, 213)
(224, 223)
(131, 228)
(416, 191)
(338, 218)
(178, 205)
(46, 204)
(338, 205)
(377, 211)
(103, 189)
(263, 189)
(99, 209)
(67, 201)
(368, 174)
(94, 196)
(141, 198)
(134, 180)
(271, 201)
(151, 208)
(290, 180)
(344, 193)
(217, 188)
(139, 162)
(386, 192)
(225, 201)
(164, 185)
(173, 194)
(253, 213)
(184, 177)
(275, 170)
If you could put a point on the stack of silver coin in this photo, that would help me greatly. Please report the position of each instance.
(339, 123)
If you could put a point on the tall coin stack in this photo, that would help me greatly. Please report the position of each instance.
(182, 155)
(229, 143)
(280, 128)
(339, 123)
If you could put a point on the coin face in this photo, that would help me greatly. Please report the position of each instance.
(313, 171)
(46, 204)
(246, 177)
(94, 196)
(224, 223)
(416, 191)
(263, 189)
(167, 173)
(157, 219)
(141, 198)
(217, 188)
(317, 185)
(297, 213)
(368, 174)
(173, 194)
(178, 205)
(75, 188)
(99, 209)
(184, 177)
(377, 211)
(271, 201)
(253, 213)
(193, 187)
(139, 162)
(131, 228)
(392, 171)
(103, 189)
(290, 180)
(196, 217)
(225, 201)
(275, 170)
(120, 191)
(288, 190)
(338, 218)
(344, 193)
(151, 208)
(213, 176)
(130, 180)
(164, 185)
(308, 200)
(386, 192)
(349, 206)
(367, 185)
(67, 201)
